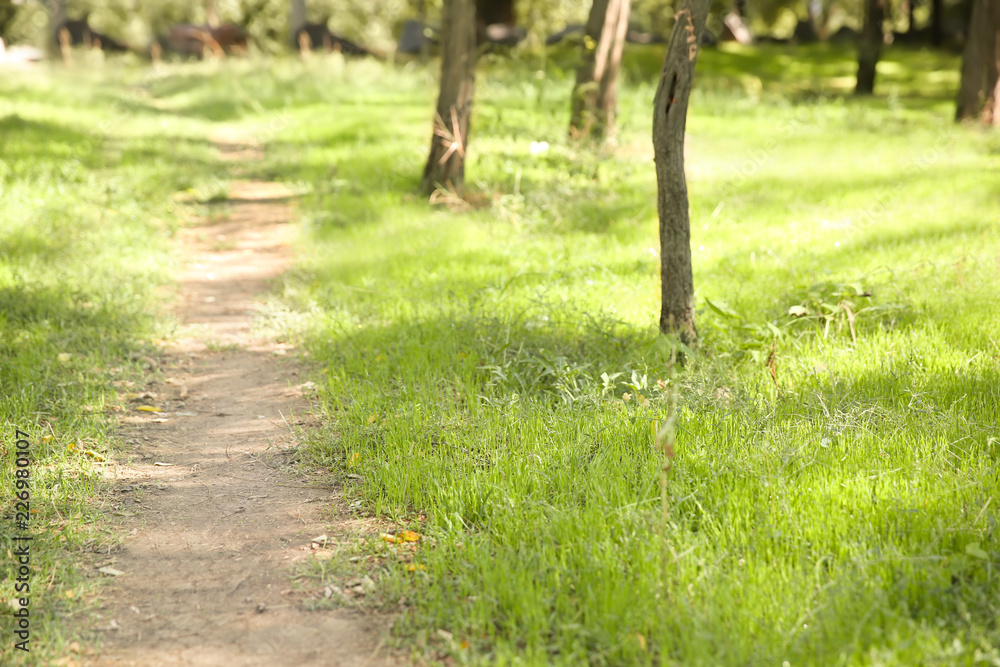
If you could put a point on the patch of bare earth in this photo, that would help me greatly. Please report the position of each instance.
(214, 517)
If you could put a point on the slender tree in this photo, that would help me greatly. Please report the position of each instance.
(937, 22)
(57, 17)
(211, 14)
(446, 162)
(669, 123)
(870, 46)
(595, 95)
(978, 89)
(297, 18)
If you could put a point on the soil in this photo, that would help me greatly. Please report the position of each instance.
(216, 518)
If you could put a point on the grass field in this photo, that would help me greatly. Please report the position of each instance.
(492, 377)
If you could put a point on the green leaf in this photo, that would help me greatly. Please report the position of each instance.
(722, 308)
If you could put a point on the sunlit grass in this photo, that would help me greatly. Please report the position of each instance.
(477, 368)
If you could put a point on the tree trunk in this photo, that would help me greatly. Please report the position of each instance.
(425, 44)
(297, 18)
(211, 15)
(991, 92)
(937, 22)
(669, 122)
(595, 95)
(870, 46)
(57, 17)
(446, 163)
(980, 51)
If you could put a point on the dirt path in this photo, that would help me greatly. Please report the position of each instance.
(215, 519)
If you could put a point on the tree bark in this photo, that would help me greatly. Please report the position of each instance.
(978, 63)
(57, 17)
(669, 122)
(991, 92)
(297, 18)
(211, 14)
(446, 163)
(595, 95)
(937, 22)
(870, 46)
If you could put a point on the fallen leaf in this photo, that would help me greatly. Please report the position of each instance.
(413, 567)
(161, 463)
(409, 536)
(148, 408)
(110, 571)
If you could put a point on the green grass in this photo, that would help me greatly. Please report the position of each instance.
(473, 367)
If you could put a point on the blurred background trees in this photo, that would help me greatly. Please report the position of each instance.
(377, 23)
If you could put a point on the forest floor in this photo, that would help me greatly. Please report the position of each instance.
(216, 518)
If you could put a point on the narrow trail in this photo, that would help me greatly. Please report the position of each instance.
(214, 518)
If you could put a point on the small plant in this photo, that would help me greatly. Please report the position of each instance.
(824, 308)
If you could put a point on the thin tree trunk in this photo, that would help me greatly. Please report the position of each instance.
(870, 46)
(991, 92)
(669, 122)
(979, 49)
(937, 22)
(211, 15)
(446, 162)
(57, 17)
(297, 17)
(595, 95)
(425, 44)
